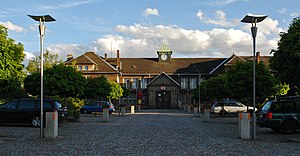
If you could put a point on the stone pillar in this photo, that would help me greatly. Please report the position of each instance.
(244, 125)
(51, 129)
(122, 111)
(132, 109)
(206, 115)
(105, 114)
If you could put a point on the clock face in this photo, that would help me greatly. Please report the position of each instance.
(164, 57)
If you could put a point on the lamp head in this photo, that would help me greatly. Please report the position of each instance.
(250, 18)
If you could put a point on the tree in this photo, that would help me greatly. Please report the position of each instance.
(285, 61)
(240, 81)
(97, 88)
(116, 90)
(59, 80)
(11, 67)
(49, 61)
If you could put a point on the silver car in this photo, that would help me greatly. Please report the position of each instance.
(223, 108)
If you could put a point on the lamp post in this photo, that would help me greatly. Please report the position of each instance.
(42, 29)
(199, 109)
(253, 19)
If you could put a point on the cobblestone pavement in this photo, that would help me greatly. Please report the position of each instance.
(151, 132)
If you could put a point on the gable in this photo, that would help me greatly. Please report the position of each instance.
(164, 79)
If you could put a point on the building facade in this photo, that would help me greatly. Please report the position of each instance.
(163, 82)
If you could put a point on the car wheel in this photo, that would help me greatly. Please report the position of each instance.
(85, 111)
(223, 113)
(36, 122)
(289, 127)
(275, 130)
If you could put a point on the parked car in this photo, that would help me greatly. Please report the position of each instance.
(97, 107)
(27, 111)
(281, 115)
(222, 108)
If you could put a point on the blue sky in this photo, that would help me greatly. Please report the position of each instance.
(191, 28)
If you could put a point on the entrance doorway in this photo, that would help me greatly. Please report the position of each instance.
(163, 99)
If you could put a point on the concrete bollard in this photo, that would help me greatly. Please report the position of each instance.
(105, 114)
(122, 111)
(244, 125)
(184, 108)
(51, 130)
(189, 109)
(206, 115)
(139, 107)
(132, 109)
(196, 111)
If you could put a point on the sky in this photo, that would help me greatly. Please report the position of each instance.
(138, 28)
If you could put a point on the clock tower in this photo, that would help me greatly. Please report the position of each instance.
(164, 54)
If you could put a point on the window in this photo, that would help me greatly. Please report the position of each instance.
(86, 67)
(46, 105)
(144, 82)
(80, 67)
(193, 83)
(184, 83)
(27, 104)
(126, 82)
(134, 83)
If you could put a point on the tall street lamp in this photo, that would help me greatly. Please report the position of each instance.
(253, 19)
(42, 29)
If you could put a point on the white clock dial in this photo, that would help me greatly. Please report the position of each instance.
(164, 57)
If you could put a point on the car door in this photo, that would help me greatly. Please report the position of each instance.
(230, 107)
(25, 111)
(7, 112)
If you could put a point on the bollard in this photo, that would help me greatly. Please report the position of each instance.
(139, 107)
(244, 125)
(51, 129)
(122, 111)
(189, 108)
(206, 115)
(132, 109)
(105, 114)
(184, 107)
(196, 111)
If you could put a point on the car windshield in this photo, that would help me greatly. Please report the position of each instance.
(239, 104)
(267, 106)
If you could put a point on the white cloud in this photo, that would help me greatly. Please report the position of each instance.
(282, 10)
(144, 40)
(12, 27)
(28, 56)
(222, 2)
(295, 14)
(64, 5)
(220, 19)
(63, 49)
(150, 11)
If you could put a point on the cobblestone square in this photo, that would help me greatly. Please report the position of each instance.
(149, 132)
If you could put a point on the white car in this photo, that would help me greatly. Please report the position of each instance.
(223, 108)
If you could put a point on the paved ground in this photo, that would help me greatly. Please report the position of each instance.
(172, 132)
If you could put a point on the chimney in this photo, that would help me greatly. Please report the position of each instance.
(118, 58)
(69, 57)
(105, 56)
(257, 57)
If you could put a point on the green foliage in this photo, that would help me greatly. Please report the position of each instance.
(281, 89)
(97, 88)
(59, 80)
(116, 90)
(237, 83)
(49, 61)
(285, 61)
(11, 67)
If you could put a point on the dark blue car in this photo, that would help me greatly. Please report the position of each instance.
(97, 107)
